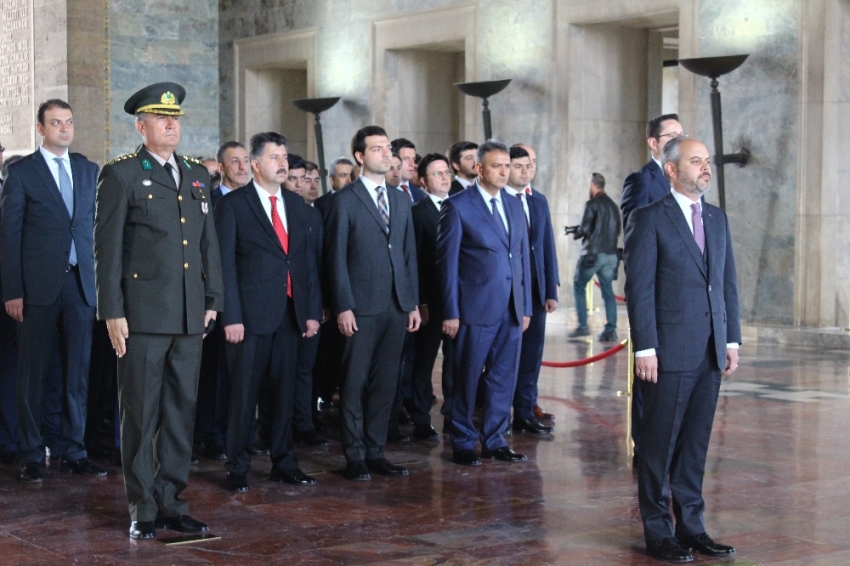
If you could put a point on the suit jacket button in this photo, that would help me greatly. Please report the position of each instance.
(709, 288)
(183, 221)
(390, 246)
(180, 197)
(185, 266)
(135, 276)
(185, 243)
(150, 196)
(510, 255)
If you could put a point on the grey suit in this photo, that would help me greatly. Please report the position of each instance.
(373, 272)
(685, 305)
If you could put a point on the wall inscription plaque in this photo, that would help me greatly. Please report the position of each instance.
(16, 74)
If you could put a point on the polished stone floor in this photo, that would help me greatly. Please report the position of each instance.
(777, 487)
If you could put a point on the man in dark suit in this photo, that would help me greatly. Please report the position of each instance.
(339, 175)
(158, 273)
(682, 296)
(544, 289)
(485, 273)
(48, 284)
(271, 299)
(462, 157)
(234, 165)
(641, 188)
(298, 181)
(407, 153)
(371, 258)
(435, 174)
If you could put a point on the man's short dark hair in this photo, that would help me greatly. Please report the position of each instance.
(219, 155)
(490, 146)
(417, 159)
(517, 152)
(401, 143)
(422, 168)
(598, 180)
(311, 166)
(653, 127)
(259, 141)
(358, 142)
(296, 162)
(50, 104)
(457, 148)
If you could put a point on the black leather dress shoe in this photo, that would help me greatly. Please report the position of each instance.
(397, 436)
(382, 467)
(669, 550)
(293, 477)
(311, 438)
(182, 524)
(425, 432)
(257, 449)
(31, 472)
(142, 529)
(466, 458)
(214, 452)
(532, 426)
(357, 471)
(504, 454)
(704, 544)
(237, 483)
(83, 466)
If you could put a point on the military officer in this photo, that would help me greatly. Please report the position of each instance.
(159, 285)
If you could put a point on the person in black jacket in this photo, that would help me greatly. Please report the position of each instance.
(599, 231)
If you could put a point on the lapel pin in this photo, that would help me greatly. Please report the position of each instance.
(146, 165)
(146, 182)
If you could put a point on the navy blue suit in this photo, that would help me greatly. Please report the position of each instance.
(640, 189)
(415, 192)
(484, 276)
(685, 306)
(544, 286)
(37, 232)
(254, 269)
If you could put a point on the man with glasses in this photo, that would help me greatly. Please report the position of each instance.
(640, 189)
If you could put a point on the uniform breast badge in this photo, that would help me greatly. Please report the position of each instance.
(204, 207)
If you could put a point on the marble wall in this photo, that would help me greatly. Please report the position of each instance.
(174, 41)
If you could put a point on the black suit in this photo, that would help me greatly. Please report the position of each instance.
(254, 268)
(425, 220)
(684, 305)
(373, 273)
(38, 232)
(456, 187)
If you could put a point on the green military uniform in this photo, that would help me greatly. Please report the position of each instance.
(157, 264)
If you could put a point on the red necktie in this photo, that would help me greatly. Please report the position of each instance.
(284, 241)
(407, 192)
(528, 191)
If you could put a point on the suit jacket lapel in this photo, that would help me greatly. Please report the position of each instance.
(485, 209)
(77, 173)
(294, 218)
(48, 180)
(363, 194)
(157, 172)
(678, 220)
(253, 198)
(710, 228)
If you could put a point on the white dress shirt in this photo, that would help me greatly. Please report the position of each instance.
(54, 167)
(438, 202)
(685, 205)
(224, 190)
(487, 198)
(370, 188)
(267, 205)
(513, 192)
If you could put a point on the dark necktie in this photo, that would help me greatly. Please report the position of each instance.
(283, 237)
(169, 168)
(527, 223)
(498, 217)
(382, 206)
(407, 192)
(699, 230)
(67, 190)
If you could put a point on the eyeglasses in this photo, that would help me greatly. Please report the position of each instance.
(674, 135)
(439, 174)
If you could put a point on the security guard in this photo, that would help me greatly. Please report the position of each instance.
(158, 276)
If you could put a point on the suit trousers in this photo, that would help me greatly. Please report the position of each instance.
(157, 391)
(213, 391)
(370, 360)
(308, 349)
(327, 370)
(428, 341)
(73, 320)
(271, 357)
(679, 412)
(8, 385)
(530, 359)
(497, 347)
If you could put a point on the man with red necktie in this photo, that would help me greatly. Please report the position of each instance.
(271, 299)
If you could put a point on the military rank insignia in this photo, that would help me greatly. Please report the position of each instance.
(205, 207)
(146, 165)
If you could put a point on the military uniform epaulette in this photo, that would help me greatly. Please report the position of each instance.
(122, 158)
(192, 159)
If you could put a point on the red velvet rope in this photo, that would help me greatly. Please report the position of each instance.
(576, 363)
(617, 297)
